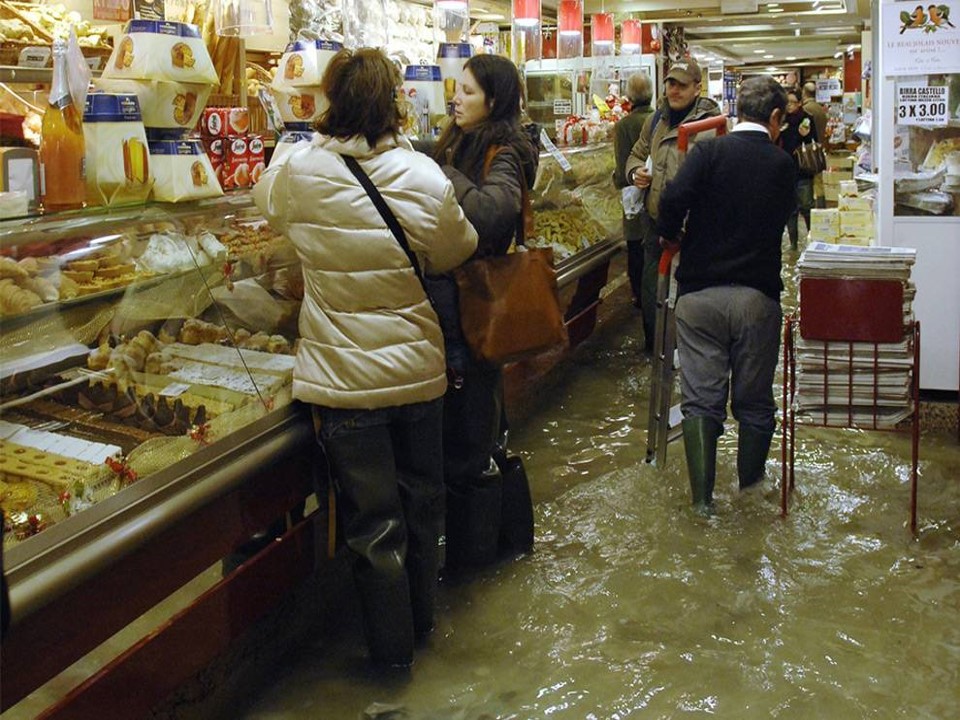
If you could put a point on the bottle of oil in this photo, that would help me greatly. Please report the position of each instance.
(62, 176)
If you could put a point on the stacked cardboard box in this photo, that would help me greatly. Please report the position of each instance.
(839, 168)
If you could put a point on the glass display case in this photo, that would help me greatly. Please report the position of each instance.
(579, 208)
(132, 339)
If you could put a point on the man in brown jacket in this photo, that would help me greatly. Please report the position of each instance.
(681, 103)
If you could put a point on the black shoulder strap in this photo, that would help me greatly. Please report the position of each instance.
(385, 212)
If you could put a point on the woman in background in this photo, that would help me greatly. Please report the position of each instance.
(490, 159)
(370, 358)
(798, 129)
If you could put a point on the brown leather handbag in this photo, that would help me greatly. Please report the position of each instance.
(510, 304)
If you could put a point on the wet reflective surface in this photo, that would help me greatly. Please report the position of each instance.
(632, 606)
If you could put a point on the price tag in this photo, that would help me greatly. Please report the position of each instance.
(563, 108)
(922, 105)
(554, 151)
(174, 389)
(34, 57)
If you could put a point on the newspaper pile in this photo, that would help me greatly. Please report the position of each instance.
(860, 384)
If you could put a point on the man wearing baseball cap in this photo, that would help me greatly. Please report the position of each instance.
(681, 103)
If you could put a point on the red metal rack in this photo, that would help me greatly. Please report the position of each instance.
(841, 312)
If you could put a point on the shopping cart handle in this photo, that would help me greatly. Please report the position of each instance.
(717, 123)
(666, 257)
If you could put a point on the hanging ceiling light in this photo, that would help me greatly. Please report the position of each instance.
(526, 12)
(601, 28)
(629, 37)
(570, 17)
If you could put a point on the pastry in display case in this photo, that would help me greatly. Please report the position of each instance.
(578, 208)
(131, 340)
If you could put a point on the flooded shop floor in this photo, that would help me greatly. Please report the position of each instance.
(632, 606)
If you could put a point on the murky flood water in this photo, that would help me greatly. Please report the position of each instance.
(632, 606)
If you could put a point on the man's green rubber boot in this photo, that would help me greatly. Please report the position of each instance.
(753, 446)
(700, 444)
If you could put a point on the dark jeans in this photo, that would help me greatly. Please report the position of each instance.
(804, 195)
(387, 467)
(651, 262)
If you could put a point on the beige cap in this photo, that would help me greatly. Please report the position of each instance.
(686, 71)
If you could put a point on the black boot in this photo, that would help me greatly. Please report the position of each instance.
(424, 528)
(385, 601)
(473, 520)
(374, 529)
(700, 445)
(753, 447)
(516, 514)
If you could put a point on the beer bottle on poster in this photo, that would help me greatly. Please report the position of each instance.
(62, 176)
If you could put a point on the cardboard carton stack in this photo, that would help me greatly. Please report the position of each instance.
(839, 167)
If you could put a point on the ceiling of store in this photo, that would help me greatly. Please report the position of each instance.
(775, 35)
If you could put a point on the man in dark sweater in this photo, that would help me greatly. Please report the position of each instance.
(738, 190)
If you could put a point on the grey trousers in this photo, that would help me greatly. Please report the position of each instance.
(729, 342)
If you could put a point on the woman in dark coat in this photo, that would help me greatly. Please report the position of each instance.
(799, 128)
(489, 158)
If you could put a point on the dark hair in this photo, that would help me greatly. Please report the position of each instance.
(361, 87)
(758, 97)
(503, 91)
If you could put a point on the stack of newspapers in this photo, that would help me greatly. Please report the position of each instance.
(845, 382)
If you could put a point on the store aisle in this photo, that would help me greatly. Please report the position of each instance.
(631, 604)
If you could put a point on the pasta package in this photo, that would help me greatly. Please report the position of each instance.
(117, 157)
(160, 50)
(182, 171)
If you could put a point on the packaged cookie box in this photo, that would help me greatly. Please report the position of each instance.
(182, 171)
(117, 159)
(304, 61)
(302, 104)
(161, 50)
(163, 104)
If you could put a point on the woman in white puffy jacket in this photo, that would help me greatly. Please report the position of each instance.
(371, 359)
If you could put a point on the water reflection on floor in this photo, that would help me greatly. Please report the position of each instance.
(631, 606)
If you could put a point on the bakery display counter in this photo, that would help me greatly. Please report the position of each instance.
(147, 428)
(132, 339)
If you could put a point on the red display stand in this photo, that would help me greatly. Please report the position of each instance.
(839, 313)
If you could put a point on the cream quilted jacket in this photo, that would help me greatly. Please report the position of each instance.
(368, 335)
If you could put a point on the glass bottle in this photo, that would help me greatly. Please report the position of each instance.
(62, 171)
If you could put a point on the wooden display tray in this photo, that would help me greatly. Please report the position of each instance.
(851, 310)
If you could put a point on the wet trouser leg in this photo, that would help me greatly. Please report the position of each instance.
(728, 338)
(389, 482)
(651, 261)
(635, 270)
(474, 484)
